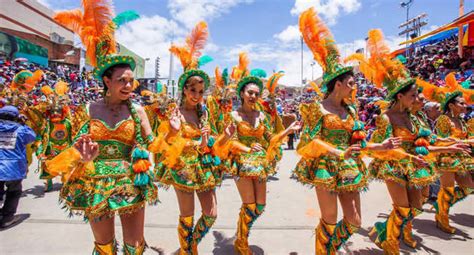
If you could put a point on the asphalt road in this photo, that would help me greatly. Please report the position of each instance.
(286, 227)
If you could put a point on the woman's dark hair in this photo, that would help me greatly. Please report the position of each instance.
(199, 107)
(109, 71)
(243, 89)
(332, 83)
(402, 91)
(450, 101)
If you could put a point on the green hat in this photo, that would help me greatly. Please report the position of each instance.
(194, 72)
(396, 86)
(330, 75)
(247, 80)
(449, 97)
(112, 60)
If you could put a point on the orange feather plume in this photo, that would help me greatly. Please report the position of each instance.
(453, 85)
(238, 72)
(47, 90)
(451, 82)
(93, 24)
(316, 88)
(432, 92)
(61, 88)
(189, 53)
(380, 67)
(317, 36)
(219, 80)
(272, 82)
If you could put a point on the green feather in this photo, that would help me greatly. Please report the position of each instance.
(159, 87)
(466, 84)
(225, 76)
(125, 17)
(204, 60)
(257, 72)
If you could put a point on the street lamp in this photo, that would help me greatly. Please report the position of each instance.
(407, 4)
(312, 70)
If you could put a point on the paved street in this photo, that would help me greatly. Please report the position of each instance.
(286, 227)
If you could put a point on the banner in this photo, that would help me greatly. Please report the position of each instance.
(12, 47)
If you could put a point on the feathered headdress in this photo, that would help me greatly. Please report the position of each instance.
(190, 55)
(446, 94)
(242, 76)
(380, 68)
(320, 41)
(25, 81)
(96, 27)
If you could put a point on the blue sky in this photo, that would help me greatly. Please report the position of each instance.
(266, 29)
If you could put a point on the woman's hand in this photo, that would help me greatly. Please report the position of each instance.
(352, 151)
(461, 148)
(446, 140)
(88, 149)
(205, 131)
(392, 143)
(175, 121)
(419, 161)
(294, 127)
(256, 147)
(230, 130)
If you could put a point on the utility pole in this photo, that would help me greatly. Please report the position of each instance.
(460, 29)
(407, 5)
(170, 77)
(302, 80)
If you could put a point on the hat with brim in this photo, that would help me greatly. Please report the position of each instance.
(449, 97)
(193, 72)
(340, 70)
(402, 84)
(249, 79)
(9, 110)
(110, 61)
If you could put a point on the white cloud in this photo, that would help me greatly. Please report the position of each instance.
(46, 3)
(328, 9)
(189, 12)
(291, 34)
(150, 37)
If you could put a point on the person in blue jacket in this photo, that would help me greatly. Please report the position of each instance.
(14, 136)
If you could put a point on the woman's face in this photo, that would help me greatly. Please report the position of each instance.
(408, 98)
(194, 90)
(420, 101)
(250, 94)
(345, 87)
(120, 85)
(458, 106)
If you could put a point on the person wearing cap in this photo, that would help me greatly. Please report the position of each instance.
(14, 137)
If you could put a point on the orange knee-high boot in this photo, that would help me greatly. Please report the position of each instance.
(408, 228)
(247, 216)
(444, 201)
(324, 232)
(344, 230)
(185, 234)
(388, 232)
(105, 249)
(134, 250)
(203, 225)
